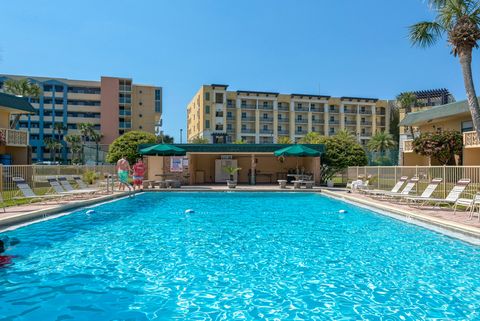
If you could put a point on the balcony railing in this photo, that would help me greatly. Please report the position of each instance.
(408, 145)
(230, 130)
(248, 131)
(316, 110)
(266, 107)
(351, 122)
(301, 121)
(318, 121)
(283, 132)
(230, 117)
(334, 122)
(297, 108)
(230, 106)
(247, 106)
(16, 138)
(268, 119)
(301, 132)
(248, 118)
(350, 111)
(365, 112)
(283, 108)
(365, 123)
(219, 114)
(470, 139)
(266, 131)
(283, 120)
(334, 111)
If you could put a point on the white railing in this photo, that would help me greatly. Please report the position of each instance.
(408, 145)
(470, 139)
(385, 177)
(15, 138)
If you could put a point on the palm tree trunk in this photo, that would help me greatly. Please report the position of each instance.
(466, 63)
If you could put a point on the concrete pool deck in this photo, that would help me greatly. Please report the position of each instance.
(442, 218)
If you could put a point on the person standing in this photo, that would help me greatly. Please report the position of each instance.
(123, 168)
(138, 173)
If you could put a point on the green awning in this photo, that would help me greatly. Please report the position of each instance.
(437, 112)
(297, 150)
(16, 104)
(163, 150)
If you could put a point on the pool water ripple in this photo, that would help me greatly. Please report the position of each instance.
(240, 256)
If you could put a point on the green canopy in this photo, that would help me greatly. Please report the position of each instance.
(297, 150)
(163, 150)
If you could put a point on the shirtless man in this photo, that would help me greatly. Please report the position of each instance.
(123, 168)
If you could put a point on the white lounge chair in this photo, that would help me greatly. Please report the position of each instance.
(395, 189)
(427, 192)
(27, 193)
(406, 190)
(474, 205)
(452, 197)
(69, 188)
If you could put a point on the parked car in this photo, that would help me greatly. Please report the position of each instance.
(47, 163)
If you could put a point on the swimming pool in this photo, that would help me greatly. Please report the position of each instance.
(250, 256)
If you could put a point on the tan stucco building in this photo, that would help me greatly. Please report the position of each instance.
(454, 116)
(224, 116)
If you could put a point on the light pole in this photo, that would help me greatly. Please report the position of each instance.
(181, 134)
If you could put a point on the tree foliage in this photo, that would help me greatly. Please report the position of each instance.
(165, 139)
(24, 88)
(127, 146)
(381, 142)
(441, 146)
(284, 140)
(341, 151)
(459, 20)
(311, 138)
(199, 140)
(75, 143)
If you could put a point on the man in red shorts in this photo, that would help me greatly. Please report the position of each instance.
(138, 172)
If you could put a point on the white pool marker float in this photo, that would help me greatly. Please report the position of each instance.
(90, 212)
(189, 211)
(342, 211)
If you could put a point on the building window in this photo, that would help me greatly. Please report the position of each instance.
(265, 116)
(332, 119)
(279, 128)
(265, 104)
(219, 98)
(265, 127)
(140, 115)
(207, 124)
(140, 103)
(299, 129)
(229, 114)
(229, 126)
(467, 126)
(313, 117)
(299, 117)
(244, 103)
(244, 115)
(244, 127)
(332, 107)
(279, 116)
(207, 109)
(229, 102)
(207, 96)
(140, 127)
(332, 130)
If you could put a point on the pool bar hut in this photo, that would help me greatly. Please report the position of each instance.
(205, 163)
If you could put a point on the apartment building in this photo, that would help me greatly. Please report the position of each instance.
(224, 116)
(113, 105)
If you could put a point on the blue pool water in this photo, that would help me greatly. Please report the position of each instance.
(240, 256)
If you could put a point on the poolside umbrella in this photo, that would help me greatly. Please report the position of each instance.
(163, 150)
(297, 151)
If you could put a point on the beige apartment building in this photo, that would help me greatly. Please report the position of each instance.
(113, 105)
(224, 116)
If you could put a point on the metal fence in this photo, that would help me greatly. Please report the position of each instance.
(36, 175)
(385, 177)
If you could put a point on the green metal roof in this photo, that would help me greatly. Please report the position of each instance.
(437, 112)
(16, 103)
(237, 148)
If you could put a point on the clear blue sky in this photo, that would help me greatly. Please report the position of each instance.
(334, 47)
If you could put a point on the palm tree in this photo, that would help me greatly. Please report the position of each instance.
(52, 145)
(59, 128)
(75, 142)
(381, 142)
(459, 20)
(284, 140)
(239, 142)
(86, 130)
(96, 137)
(23, 88)
(199, 140)
(311, 138)
(406, 101)
(165, 139)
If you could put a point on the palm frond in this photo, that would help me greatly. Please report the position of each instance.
(426, 33)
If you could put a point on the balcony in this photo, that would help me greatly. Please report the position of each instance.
(283, 120)
(230, 117)
(125, 112)
(365, 112)
(248, 118)
(248, 106)
(350, 111)
(230, 105)
(470, 139)
(14, 138)
(317, 121)
(266, 107)
(301, 132)
(123, 100)
(124, 125)
(381, 124)
(266, 131)
(230, 130)
(316, 109)
(334, 122)
(301, 108)
(366, 123)
(219, 127)
(301, 121)
(408, 145)
(283, 132)
(248, 131)
(366, 134)
(283, 108)
(267, 119)
(351, 122)
(333, 111)
(219, 114)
